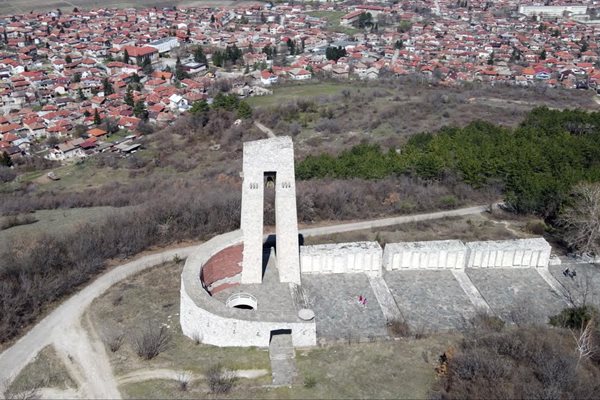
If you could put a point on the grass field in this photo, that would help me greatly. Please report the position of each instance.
(153, 297)
(289, 92)
(387, 370)
(57, 222)
(333, 21)
(395, 369)
(468, 228)
(46, 370)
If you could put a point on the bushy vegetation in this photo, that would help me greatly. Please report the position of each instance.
(220, 380)
(151, 340)
(528, 362)
(575, 317)
(536, 164)
(39, 270)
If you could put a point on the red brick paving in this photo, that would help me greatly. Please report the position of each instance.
(225, 264)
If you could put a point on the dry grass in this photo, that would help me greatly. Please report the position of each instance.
(468, 228)
(153, 297)
(45, 371)
(405, 368)
(396, 369)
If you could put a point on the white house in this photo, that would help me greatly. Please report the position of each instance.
(177, 102)
(300, 74)
(65, 151)
(267, 78)
(164, 45)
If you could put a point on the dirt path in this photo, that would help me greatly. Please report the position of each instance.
(170, 374)
(91, 367)
(87, 361)
(264, 129)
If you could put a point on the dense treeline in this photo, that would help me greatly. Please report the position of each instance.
(535, 164)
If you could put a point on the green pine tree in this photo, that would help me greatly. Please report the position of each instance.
(244, 111)
(97, 119)
(129, 96)
(5, 159)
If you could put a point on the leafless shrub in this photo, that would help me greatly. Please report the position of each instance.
(581, 220)
(151, 340)
(7, 174)
(19, 392)
(518, 363)
(535, 227)
(328, 126)
(113, 338)
(197, 337)
(220, 380)
(294, 129)
(484, 321)
(420, 332)
(399, 328)
(183, 379)
(587, 341)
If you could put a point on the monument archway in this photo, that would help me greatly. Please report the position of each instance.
(269, 162)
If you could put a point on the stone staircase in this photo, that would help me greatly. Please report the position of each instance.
(282, 356)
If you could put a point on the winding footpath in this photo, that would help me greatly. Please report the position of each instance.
(63, 326)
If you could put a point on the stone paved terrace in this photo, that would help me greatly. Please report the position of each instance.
(334, 299)
(428, 299)
(519, 295)
(271, 295)
(588, 275)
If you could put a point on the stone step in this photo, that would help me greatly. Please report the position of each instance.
(470, 290)
(556, 286)
(385, 298)
(283, 364)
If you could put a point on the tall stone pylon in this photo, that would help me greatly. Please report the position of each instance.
(269, 160)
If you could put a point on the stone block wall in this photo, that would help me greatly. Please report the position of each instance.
(341, 258)
(519, 253)
(437, 254)
(454, 254)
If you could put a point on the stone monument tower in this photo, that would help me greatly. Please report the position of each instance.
(269, 161)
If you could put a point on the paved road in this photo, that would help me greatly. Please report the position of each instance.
(51, 329)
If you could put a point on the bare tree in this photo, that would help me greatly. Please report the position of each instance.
(113, 338)
(151, 341)
(184, 378)
(219, 379)
(581, 220)
(586, 341)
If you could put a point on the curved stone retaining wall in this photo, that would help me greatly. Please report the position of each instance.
(211, 321)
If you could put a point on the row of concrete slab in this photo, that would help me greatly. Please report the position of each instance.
(369, 257)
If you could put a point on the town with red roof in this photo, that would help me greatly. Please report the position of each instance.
(64, 72)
